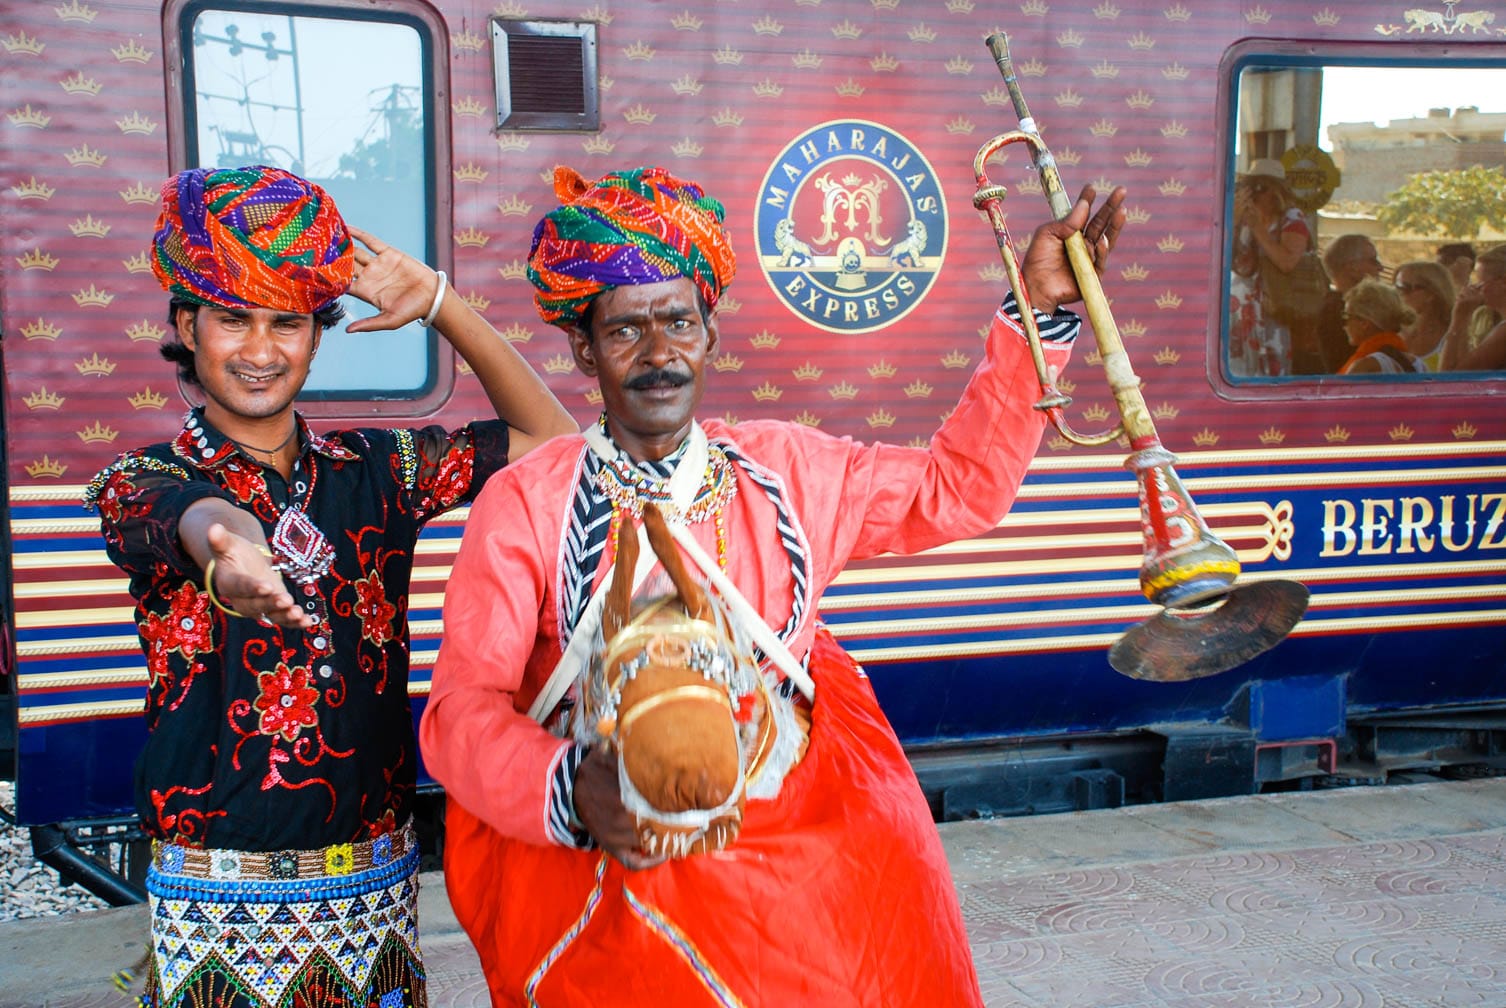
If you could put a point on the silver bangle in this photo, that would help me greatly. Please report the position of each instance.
(428, 319)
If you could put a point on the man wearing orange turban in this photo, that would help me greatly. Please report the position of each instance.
(836, 890)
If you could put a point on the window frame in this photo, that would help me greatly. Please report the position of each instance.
(1290, 54)
(434, 40)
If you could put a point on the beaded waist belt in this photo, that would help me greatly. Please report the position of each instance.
(259, 866)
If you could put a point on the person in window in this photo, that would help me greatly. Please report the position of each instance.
(1373, 319)
(1459, 259)
(270, 566)
(1477, 333)
(1428, 290)
(1272, 233)
(543, 862)
(1349, 258)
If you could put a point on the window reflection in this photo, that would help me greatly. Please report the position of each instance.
(342, 103)
(1367, 228)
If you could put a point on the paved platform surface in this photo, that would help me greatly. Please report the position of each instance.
(1378, 897)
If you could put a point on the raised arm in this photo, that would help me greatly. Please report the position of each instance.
(402, 289)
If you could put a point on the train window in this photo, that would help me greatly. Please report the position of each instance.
(1365, 245)
(344, 97)
(545, 74)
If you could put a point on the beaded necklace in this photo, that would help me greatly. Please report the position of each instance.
(628, 487)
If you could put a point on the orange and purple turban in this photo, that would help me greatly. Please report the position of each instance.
(253, 237)
(635, 227)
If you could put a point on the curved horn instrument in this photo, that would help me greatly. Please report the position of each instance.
(1207, 624)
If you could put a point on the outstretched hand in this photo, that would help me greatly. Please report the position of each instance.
(1046, 269)
(244, 580)
(399, 286)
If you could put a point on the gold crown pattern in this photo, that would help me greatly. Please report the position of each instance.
(559, 364)
(1171, 244)
(22, 45)
(686, 147)
(41, 329)
(1165, 411)
(477, 301)
(1174, 130)
(1173, 187)
(846, 29)
(597, 145)
(137, 263)
(1096, 413)
(961, 125)
(43, 399)
(145, 331)
(1069, 156)
(920, 33)
(728, 305)
(468, 42)
(1325, 18)
(515, 270)
(472, 238)
(131, 51)
(996, 96)
(766, 25)
(685, 85)
(1070, 39)
(94, 364)
(29, 117)
(1166, 356)
(806, 59)
(1134, 329)
(79, 84)
(959, 6)
(959, 66)
(1029, 184)
(1068, 98)
(1140, 100)
(147, 399)
(514, 206)
(1034, 8)
(86, 156)
(1464, 431)
(1272, 436)
(1205, 438)
(1103, 128)
(844, 390)
(1169, 301)
(918, 389)
(36, 259)
(991, 272)
(1137, 158)
(1336, 435)
(880, 419)
(764, 340)
(1058, 443)
(1104, 70)
(138, 193)
(877, 4)
(882, 369)
(93, 298)
(1106, 11)
(96, 432)
(686, 21)
(510, 9)
(468, 108)
(517, 333)
(725, 116)
(33, 189)
(1137, 215)
(136, 123)
(808, 372)
(605, 84)
(1401, 432)
(727, 363)
(1258, 15)
(727, 56)
(1174, 71)
(639, 52)
(593, 396)
(1033, 68)
(75, 11)
(512, 142)
(640, 115)
(884, 63)
(955, 359)
(807, 418)
(1177, 13)
(768, 392)
(45, 467)
(1134, 273)
(1142, 42)
(597, 13)
(471, 172)
(88, 227)
(850, 89)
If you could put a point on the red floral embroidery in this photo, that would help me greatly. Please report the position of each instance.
(287, 701)
(244, 482)
(452, 479)
(375, 611)
(110, 503)
(184, 628)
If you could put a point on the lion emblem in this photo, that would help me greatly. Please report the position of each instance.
(792, 251)
(907, 251)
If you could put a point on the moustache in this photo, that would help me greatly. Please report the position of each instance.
(658, 376)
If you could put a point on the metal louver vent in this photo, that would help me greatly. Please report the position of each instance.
(545, 75)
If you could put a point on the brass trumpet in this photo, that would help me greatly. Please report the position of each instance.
(1207, 624)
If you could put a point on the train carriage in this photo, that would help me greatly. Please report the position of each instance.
(841, 134)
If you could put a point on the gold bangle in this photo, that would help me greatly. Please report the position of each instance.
(209, 589)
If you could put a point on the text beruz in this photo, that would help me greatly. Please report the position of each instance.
(1384, 525)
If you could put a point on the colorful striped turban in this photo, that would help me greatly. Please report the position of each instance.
(636, 227)
(253, 237)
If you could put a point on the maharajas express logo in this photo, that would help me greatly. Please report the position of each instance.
(852, 227)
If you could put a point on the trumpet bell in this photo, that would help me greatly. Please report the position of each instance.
(1178, 644)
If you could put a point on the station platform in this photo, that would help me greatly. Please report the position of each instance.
(1368, 897)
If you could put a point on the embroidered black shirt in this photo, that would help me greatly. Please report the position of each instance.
(262, 738)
